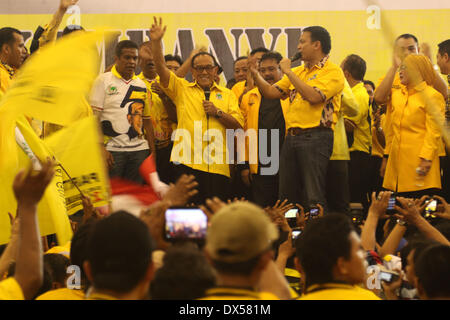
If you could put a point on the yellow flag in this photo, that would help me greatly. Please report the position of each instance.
(77, 149)
(52, 86)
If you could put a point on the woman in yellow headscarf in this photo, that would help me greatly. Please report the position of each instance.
(418, 113)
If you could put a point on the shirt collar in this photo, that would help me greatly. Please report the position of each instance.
(214, 86)
(117, 74)
(321, 63)
(328, 286)
(142, 77)
(9, 69)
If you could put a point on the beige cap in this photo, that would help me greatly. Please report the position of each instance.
(238, 232)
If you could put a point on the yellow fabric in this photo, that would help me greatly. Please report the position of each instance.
(6, 75)
(349, 107)
(420, 64)
(362, 133)
(338, 292)
(250, 105)
(100, 296)
(50, 32)
(64, 250)
(329, 80)
(10, 290)
(377, 149)
(237, 294)
(162, 125)
(77, 149)
(415, 135)
(189, 97)
(238, 89)
(62, 294)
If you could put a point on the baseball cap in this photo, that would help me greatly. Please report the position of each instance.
(239, 232)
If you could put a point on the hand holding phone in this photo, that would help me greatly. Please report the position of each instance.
(291, 217)
(185, 224)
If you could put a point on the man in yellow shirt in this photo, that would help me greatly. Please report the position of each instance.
(315, 96)
(354, 68)
(330, 257)
(204, 111)
(12, 55)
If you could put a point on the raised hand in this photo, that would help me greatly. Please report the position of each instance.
(180, 192)
(285, 65)
(29, 187)
(157, 30)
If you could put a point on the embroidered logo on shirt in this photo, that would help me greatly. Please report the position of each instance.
(313, 77)
(112, 90)
(219, 96)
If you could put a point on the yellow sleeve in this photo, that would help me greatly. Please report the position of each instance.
(234, 110)
(434, 107)
(50, 32)
(10, 290)
(363, 104)
(238, 89)
(284, 84)
(330, 83)
(174, 87)
(349, 105)
(148, 105)
(387, 128)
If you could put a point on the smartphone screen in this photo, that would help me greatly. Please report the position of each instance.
(185, 223)
(296, 233)
(385, 276)
(291, 214)
(431, 206)
(391, 203)
(314, 212)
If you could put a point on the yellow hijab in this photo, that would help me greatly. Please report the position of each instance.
(420, 65)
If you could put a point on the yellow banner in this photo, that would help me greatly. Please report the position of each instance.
(77, 149)
(369, 34)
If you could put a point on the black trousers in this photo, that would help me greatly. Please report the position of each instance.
(209, 184)
(338, 193)
(445, 168)
(375, 180)
(359, 167)
(165, 168)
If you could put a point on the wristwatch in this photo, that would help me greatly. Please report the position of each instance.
(219, 113)
(402, 223)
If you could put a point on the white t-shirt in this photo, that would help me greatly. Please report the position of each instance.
(121, 106)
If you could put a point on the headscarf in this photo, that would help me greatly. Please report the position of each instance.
(420, 64)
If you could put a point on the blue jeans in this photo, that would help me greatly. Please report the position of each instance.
(303, 167)
(126, 165)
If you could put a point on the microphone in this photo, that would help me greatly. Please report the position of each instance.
(207, 94)
(296, 56)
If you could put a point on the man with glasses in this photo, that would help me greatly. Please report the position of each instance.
(204, 111)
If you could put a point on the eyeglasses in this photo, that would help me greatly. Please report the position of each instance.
(203, 68)
(269, 69)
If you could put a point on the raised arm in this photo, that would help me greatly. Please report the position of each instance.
(383, 91)
(376, 210)
(157, 32)
(186, 66)
(28, 189)
(267, 90)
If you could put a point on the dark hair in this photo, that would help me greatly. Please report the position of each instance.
(7, 36)
(243, 268)
(356, 66)
(322, 35)
(202, 53)
(71, 28)
(407, 36)
(444, 47)
(259, 49)
(119, 252)
(239, 59)
(57, 265)
(370, 83)
(272, 55)
(320, 245)
(231, 83)
(431, 271)
(79, 250)
(177, 58)
(125, 44)
(185, 274)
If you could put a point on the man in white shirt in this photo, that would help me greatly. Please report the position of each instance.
(119, 99)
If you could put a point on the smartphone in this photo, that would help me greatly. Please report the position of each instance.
(392, 202)
(431, 208)
(295, 234)
(313, 211)
(388, 277)
(185, 224)
(291, 217)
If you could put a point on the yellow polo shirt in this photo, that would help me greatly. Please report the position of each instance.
(337, 291)
(162, 125)
(239, 88)
(362, 133)
(226, 293)
(190, 143)
(328, 79)
(62, 294)
(377, 149)
(349, 107)
(10, 290)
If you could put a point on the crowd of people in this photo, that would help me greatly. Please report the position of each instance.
(320, 137)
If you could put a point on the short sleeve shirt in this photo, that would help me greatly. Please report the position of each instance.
(122, 105)
(10, 290)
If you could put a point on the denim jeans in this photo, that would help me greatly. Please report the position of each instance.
(127, 163)
(303, 167)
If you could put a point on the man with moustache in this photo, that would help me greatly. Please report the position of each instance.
(264, 114)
